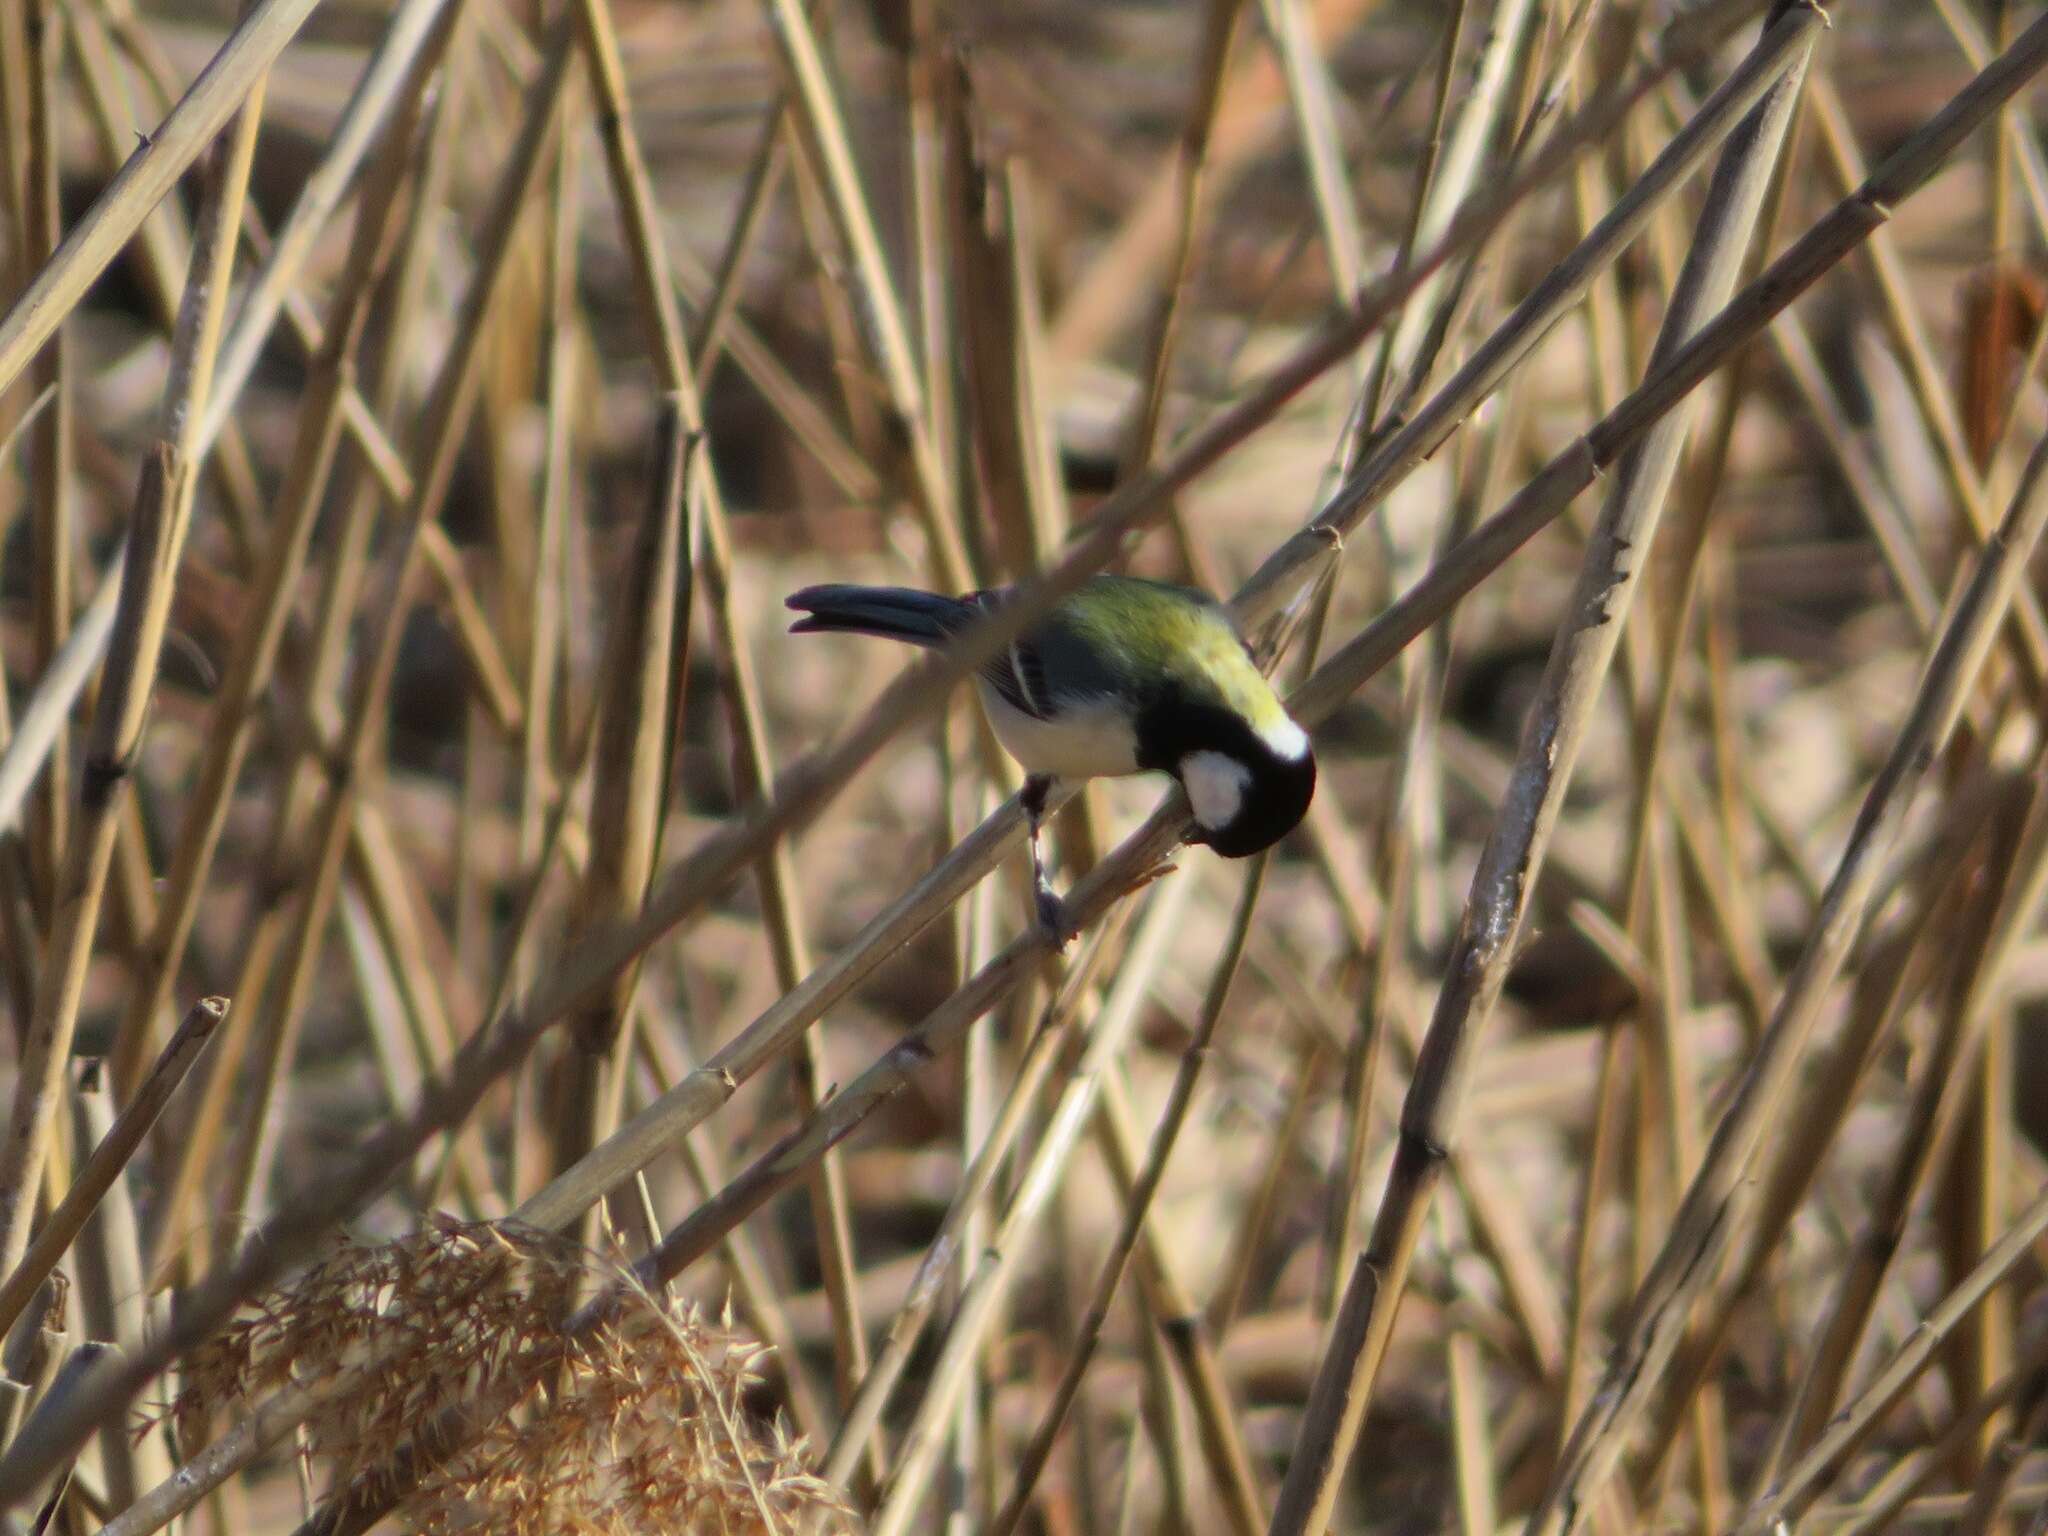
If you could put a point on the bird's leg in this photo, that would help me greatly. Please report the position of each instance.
(1032, 797)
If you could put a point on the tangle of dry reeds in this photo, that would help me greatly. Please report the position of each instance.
(1621, 426)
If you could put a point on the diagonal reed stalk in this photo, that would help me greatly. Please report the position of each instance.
(1702, 1226)
(230, 77)
(1136, 1207)
(156, 536)
(448, 1098)
(689, 891)
(1509, 866)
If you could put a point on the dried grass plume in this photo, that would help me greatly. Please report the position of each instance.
(632, 1428)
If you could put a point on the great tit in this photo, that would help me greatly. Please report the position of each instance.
(1123, 676)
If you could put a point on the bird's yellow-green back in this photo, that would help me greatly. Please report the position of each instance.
(1179, 632)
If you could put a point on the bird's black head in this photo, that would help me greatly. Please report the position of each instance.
(1248, 788)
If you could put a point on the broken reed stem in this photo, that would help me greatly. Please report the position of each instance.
(109, 1157)
(156, 538)
(1509, 866)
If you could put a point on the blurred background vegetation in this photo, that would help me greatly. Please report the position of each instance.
(474, 636)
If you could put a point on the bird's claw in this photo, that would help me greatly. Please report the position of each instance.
(1052, 918)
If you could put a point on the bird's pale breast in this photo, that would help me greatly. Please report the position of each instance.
(1085, 742)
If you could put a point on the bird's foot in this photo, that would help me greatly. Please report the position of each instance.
(1053, 922)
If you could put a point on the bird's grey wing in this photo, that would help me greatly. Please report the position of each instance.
(1048, 667)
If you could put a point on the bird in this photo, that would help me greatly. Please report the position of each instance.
(1125, 675)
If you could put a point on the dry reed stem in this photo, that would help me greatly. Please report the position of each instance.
(30, 748)
(1915, 350)
(1409, 350)
(1247, 123)
(2018, 884)
(1315, 124)
(1807, 1478)
(1219, 32)
(544, 629)
(754, 1286)
(956, 1239)
(1890, 982)
(52, 437)
(249, 667)
(1505, 881)
(119, 1144)
(1189, 1344)
(1137, 1205)
(1701, 1228)
(164, 155)
(775, 872)
(414, 35)
(447, 416)
(917, 1448)
(818, 114)
(1452, 173)
(645, 650)
(1392, 460)
(156, 539)
(292, 807)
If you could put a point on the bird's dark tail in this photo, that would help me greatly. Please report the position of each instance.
(894, 613)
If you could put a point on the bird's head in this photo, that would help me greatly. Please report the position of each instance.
(1249, 789)
(1248, 769)
(1205, 713)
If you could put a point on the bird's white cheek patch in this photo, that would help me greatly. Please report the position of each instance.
(1216, 784)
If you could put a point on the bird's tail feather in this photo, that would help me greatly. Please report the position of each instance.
(894, 613)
